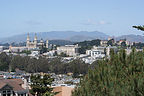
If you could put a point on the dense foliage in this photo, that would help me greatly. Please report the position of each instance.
(41, 85)
(139, 45)
(56, 65)
(121, 75)
(139, 27)
(88, 45)
(4, 62)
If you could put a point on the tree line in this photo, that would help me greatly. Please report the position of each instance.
(32, 65)
(85, 45)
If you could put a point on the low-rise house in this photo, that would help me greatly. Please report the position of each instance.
(95, 54)
(128, 43)
(67, 59)
(12, 87)
(6, 50)
(121, 41)
(34, 53)
(1, 48)
(89, 60)
(50, 53)
(103, 42)
(105, 50)
(99, 48)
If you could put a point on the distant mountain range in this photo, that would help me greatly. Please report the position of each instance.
(132, 38)
(58, 35)
(69, 37)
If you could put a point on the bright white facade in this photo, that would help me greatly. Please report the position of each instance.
(95, 53)
(70, 50)
(17, 49)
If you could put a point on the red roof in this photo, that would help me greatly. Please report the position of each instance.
(63, 91)
(15, 83)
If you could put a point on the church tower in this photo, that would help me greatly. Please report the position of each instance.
(47, 42)
(35, 40)
(28, 40)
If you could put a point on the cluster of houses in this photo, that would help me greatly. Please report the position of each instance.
(18, 83)
(71, 51)
(14, 83)
(64, 80)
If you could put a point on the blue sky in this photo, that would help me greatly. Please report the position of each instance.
(113, 17)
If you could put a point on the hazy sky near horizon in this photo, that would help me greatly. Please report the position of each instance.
(113, 17)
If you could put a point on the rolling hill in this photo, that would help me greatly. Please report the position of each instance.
(58, 35)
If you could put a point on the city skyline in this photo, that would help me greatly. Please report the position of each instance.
(110, 17)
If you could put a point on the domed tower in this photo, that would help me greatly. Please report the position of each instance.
(35, 40)
(47, 42)
(28, 40)
(41, 42)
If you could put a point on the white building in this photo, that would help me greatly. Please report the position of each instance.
(99, 48)
(70, 50)
(109, 48)
(34, 53)
(17, 49)
(1, 48)
(50, 53)
(103, 42)
(95, 53)
(105, 50)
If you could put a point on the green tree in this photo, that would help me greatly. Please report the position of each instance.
(86, 45)
(43, 50)
(26, 51)
(121, 75)
(77, 67)
(41, 85)
(139, 27)
(123, 44)
(62, 54)
(110, 42)
(4, 62)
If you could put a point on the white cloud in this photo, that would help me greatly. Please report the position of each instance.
(31, 22)
(92, 22)
(102, 22)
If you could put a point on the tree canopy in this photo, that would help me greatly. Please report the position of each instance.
(41, 85)
(121, 75)
(32, 65)
(85, 45)
(139, 27)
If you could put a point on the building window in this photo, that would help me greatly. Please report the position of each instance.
(4, 95)
(21, 95)
(7, 93)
